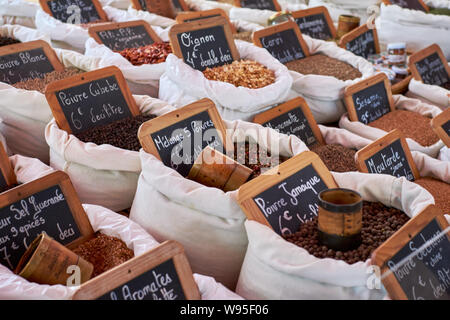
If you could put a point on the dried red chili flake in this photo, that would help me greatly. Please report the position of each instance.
(154, 53)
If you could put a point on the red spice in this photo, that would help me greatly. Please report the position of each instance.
(154, 53)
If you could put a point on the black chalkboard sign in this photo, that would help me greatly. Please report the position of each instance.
(292, 202)
(409, 4)
(423, 270)
(446, 127)
(143, 4)
(74, 11)
(432, 71)
(371, 103)
(124, 38)
(391, 160)
(159, 283)
(315, 26)
(22, 221)
(284, 46)
(258, 4)
(363, 45)
(177, 6)
(3, 183)
(169, 141)
(200, 18)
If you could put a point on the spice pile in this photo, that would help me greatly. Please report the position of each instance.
(439, 190)
(412, 124)
(121, 133)
(323, 65)
(154, 53)
(244, 35)
(245, 73)
(40, 84)
(5, 41)
(336, 157)
(378, 224)
(104, 252)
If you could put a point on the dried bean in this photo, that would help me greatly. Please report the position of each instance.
(336, 157)
(40, 84)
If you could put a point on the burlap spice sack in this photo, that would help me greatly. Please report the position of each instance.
(18, 12)
(427, 93)
(275, 269)
(73, 37)
(25, 112)
(346, 7)
(181, 85)
(101, 174)
(207, 221)
(408, 104)
(416, 28)
(324, 94)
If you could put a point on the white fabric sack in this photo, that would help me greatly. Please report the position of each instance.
(416, 28)
(345, 7)
(276, 269)
(444, 154)
(324, 94)
(18, 12)
(181, 85)
(207, 221)
(343, 137)
(74, 36)
(119, 4)
(202, 5)
(400, 103)
(102, 174)
(431, 167)
(25, 113)
(427, 93)
(438, 3)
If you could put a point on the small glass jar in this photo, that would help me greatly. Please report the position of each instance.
(396, 53)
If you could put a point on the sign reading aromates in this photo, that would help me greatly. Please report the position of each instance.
(430, 66)
(47, 204)
(415, 261)
(286, 196)
(74, 11)
(292, 117)
(28, 60)
(124, 35)
(362, 41)
(178, 137)
(441, 125)
(90, 99)
(284, 41)
(162, 273)
(315, 22)
(369, 99)
(409, 4)
(258, 4)
(200, 15)
(204, 43)
(388, 155)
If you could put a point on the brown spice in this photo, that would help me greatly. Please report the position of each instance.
(439, 190)
(336, 157)
(323, 65)
(245, 73)
(104, 252)
(40, 84)
(244, 35)
(154, 53)
(412, 124)
(5, 41)
(378, 224)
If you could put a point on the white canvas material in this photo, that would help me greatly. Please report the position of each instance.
(180, 85)
(276, 269)
(401, 103)
(207, 221)
(18, 12)
(345, 7)
(427, 93)
(102, 174)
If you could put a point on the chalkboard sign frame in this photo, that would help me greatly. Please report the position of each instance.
(63, 180)
(356, 33)
(368, 151)
(171, 118)
(437, 123)
(31, 45)
(137, 266)
(420, 2)
(52, 88)
(6, 169)
(96, 3)
(422, 54)
(94, 30)
(258, 35)
(277, 175)
(313, 11)
(398, 240)
(361, 85)
(296, 103)
(199, 25)
(163, 8)
(238, 3)
(184, 17)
